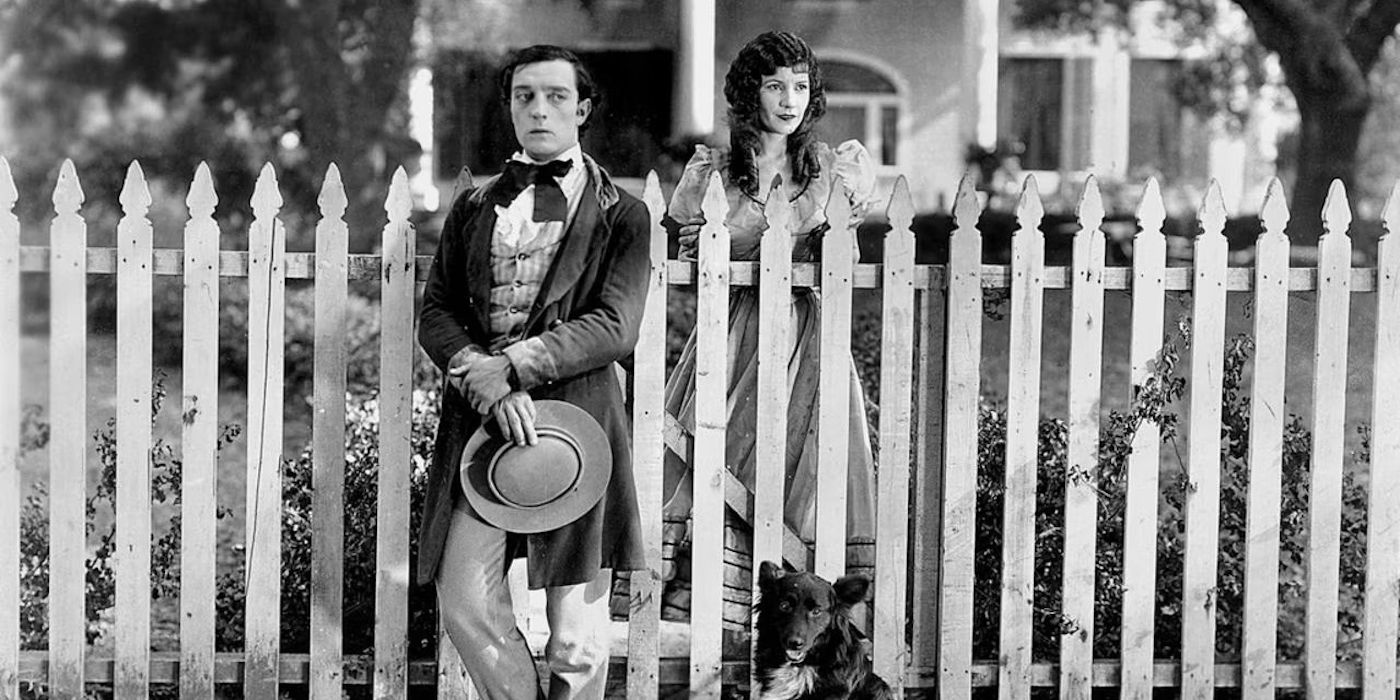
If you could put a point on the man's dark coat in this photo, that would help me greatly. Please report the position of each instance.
(585, 319)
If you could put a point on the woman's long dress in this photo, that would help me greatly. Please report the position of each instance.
(851, 163)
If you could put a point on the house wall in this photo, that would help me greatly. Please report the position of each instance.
(918, 41)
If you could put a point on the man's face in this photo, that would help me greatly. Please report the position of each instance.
(545, 108)
(783, 99)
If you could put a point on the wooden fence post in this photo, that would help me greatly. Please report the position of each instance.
(834, 390)
(9, 436)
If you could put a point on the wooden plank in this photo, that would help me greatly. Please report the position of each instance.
(328, 443)
(263, 522)
(9, 435)
(68, 439)
(774, 350)
(896, 427)
(963, 352)
(199, 441)
(452, 681)
(133, 461)
(1267, 411)
(1202, 498)
(1081, 483)
(834, 391)
(707, 513)
(1022, 445)
(930, 364)
(1140, 503)
(648, 453)
(1329, 445)
(1383, 520)
(395, 445)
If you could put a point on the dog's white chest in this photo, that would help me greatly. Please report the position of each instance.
(787, 682)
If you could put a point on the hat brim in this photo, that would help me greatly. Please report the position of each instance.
(595, 472)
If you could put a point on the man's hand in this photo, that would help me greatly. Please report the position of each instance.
(484, 380)
(515, 415)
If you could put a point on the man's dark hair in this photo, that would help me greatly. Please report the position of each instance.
(540, 53)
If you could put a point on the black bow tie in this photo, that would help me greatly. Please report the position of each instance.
(550, 204)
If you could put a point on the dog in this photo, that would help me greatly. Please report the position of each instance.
(805, 645)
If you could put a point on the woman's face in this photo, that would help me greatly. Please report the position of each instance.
(783, 98)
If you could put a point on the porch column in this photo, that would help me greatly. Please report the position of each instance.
(695, 68)
(981, 49)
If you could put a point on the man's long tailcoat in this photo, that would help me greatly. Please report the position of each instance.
(584, 320)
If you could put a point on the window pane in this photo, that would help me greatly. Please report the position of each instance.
(889, 135)
(839, 76)
(1154, 127)
(1031, 95)
(842, 123)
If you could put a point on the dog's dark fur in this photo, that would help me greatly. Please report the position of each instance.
(805, 644)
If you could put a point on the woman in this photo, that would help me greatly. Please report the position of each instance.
(775, 96)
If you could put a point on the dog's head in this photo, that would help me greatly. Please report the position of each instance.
(796, 608)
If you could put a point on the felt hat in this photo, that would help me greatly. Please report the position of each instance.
(541, 487)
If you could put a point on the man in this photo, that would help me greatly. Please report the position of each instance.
(536, 290)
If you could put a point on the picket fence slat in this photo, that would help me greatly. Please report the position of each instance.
(1140, 500)
(775, 345)
(963, 353)
(133, 415)
(1022, 431)
(648, 453)
(395, 445)
(1081, 459)
(68, 439)
(1329, 445)
(452, 681)
(892, 505)
(1262, 518)
(1202, 498)
(1383, 522)
(834, 390)
(199, 417)
(9, 436)
(263, 520)
(930, 368)
(707, 513)
(328, 442)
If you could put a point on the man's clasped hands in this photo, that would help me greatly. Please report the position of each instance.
(486, 382)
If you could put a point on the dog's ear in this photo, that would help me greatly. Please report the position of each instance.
(851, 589)
(769, 572)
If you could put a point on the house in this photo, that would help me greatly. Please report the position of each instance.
(917, 81)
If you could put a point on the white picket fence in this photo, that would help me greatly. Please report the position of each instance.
(922, 610)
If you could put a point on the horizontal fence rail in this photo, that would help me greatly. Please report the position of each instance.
(932, 438)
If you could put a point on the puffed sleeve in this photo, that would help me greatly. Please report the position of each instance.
(690, 191)
(856, 169)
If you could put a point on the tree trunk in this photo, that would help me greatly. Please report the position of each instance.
(1329, 132)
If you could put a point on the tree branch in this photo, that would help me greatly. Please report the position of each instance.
(1370, 31)
(1277, 22)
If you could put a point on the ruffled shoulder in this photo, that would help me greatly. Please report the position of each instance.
(851, 162)
(690, 191)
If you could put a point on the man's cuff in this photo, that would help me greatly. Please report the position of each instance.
(532, 362)
(460, 357)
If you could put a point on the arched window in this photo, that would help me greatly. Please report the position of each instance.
(864, 103)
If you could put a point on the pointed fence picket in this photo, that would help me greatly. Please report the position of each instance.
(68, 438)
(923, 600)
(834, 389)
(1329, 447)
(199, 413)
(267, 242)
(1202, 506)
(9, 436)
(328, 442)
(133, 535)
(1263, 517)
(1022, 429)
(1140, 501)
(1081, 460)
(1383, 521)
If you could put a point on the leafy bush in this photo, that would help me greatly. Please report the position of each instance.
(1154, 402)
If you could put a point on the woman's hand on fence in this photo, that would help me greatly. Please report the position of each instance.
(515, 416)
(689, 242)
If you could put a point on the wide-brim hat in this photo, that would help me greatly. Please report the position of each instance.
(541, 487)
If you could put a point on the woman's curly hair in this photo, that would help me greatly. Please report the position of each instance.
(763, 57)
